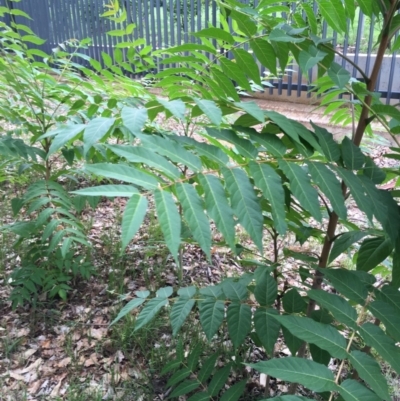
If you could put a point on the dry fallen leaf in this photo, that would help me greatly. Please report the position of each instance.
(92, 360)
(56, 390)
(46, 344)
(16, 376)
(31, 367)
(98, 334)
(34, 387)
(64, 362)
(120, 356)
(76, 336)
(23, 332)
(28, 353)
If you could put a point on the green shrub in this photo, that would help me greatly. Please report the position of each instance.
(272, 176)
(47, 104)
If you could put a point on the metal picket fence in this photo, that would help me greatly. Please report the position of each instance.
(166, 23)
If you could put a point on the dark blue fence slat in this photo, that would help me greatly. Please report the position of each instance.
(93, 12)
(165, 42)
(178, 25)
(158, 9)
(360, 30)
(171, 23)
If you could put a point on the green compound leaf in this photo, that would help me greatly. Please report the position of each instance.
(214, 291)
(373, 172)
(215, 33)
(212, 152)
(311, 18)
(234, 392)
(322, 335)
(176, 107)
(347, 283)
(396, 268)
(339, 307)
(390, 295)
(310, 374)
(319, 355)
(164, 292)
(225, 83)
(134, 119)
(352, 390)
(271, 142)
(253, 109)
(370, 371)
(179, 312)
(329, 146)
(179, 375)
(95, 131)
(293, 302)
(289, 398)
(193, 211)
(193, 357)
(267, 328)
(386, 209)
(372, 252)
(266, 290)
(354, 183)
(142, 294)
(132, 304)
(294, 130)
(308, 59)
(140, 154)
(353, 157)
(184, 388)
(382, 206)
(187, 292)
(149, 311)
(199, 397)
(375, 337)
(219, 379)
(247, 64)
(234, 290)
(268, 180)
(334, 14)
(343, 243)
(172, 150)
(124, 173)
(239, 322)
(244, 146)
(218, 208)
(108, 190)
(350, 9)
(280, 35)
(211, 316)
(301, 188)
(366, 7)
(234, 72)
(132, 219)
(339, 75)
(169, 219)
(330, 186)
(63, 136)
(389, 317)
(190, 47)
(265, 54)
(244, 22)
(210, 109)
(245, 203)
(207, 368)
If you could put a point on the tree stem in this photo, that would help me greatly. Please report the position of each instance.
(357, 138)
